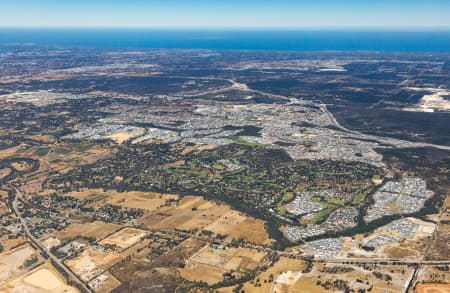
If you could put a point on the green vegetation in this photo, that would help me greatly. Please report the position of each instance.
(41, 151)
(62, 151)
(266, 176)
(361, 196)
(322, 215)
(218, 166)
(23, 150)
(31, 261)
(240, 141)
(83, 147)
(287, 197)
(96, 197)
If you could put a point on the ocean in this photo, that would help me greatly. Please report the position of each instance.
(292, 40)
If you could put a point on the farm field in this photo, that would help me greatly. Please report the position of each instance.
(279, 277)
(210, 264)
(197, 213)
(124, 238)
(95, 230)
(148, 201)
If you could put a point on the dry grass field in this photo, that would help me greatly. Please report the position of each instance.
(278, 277)
(124, 238)
(9, 244)
(433, 288)
(104, 283)
(10, 151)
(42, 138)
(65, 156)
(121, 137)
(198, 147)
(4, 172)
(433, 275)
(237, 225)
(95, 229)
(392, 278)
(3, 208)
(193, 212)
(92, 262)
(209, 264)
(20, 166)
(149, 201)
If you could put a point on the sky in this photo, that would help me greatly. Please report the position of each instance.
(357, 14)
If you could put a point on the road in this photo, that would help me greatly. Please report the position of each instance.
(332, 119)
(382, 139)
(387, 261)
(42, 248)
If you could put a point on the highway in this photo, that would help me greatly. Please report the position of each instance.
(382, 139)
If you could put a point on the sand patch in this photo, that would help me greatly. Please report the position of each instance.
(12, 263)
(433, 288)
(44, 279)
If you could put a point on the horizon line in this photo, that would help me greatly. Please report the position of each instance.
(243, 28)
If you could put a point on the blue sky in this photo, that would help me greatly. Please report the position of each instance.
(405, 14)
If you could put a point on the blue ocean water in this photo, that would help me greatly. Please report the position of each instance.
(296, 40)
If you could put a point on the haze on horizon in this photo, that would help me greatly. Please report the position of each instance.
(354, 14)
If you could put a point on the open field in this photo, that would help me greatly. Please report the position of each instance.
(149, 201)
(66, 156)
(278, 277)
(3, 208)
(157, 263)
(193, 212)
(43, 279)
(198, 147)
(50, 241)
(95, 229)
(104, 283)
(335, 278)
(124, 238)
(20, 166)
(237, 225)
(42, 138)
(5, 153)
(433, 288)
(14, 262)
(433, 275)
(209, 264)
(9, 244)
(4, 172)
(91, 262)
(121, 137)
